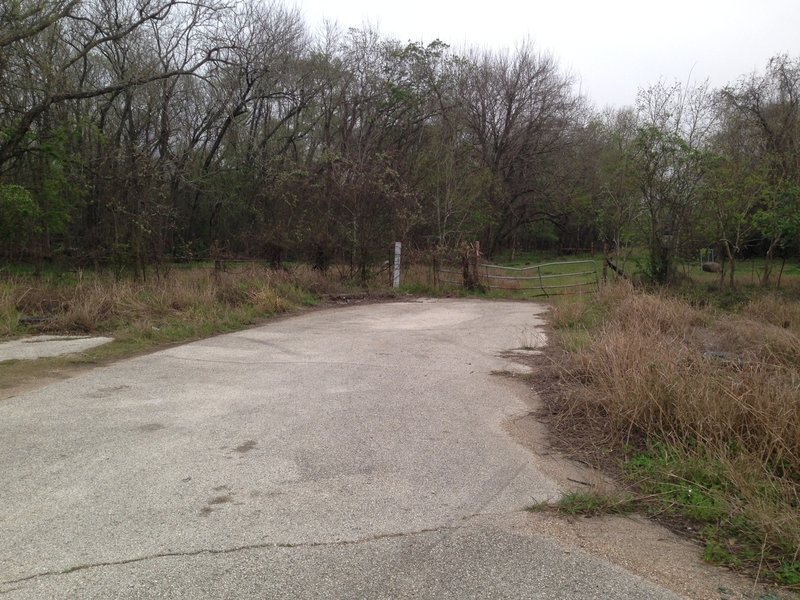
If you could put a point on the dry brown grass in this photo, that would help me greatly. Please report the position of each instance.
(646, 375)
(585, 310)
(776, 310)
(568, 313)
(89, 303)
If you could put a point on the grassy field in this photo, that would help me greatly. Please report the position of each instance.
(748, 271)
(526, 276)
(694, 398)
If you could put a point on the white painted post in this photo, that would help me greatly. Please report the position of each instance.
(396, 277)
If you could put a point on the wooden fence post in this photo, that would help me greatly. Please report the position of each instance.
(466, 273)
(475, 261)
(470, 254)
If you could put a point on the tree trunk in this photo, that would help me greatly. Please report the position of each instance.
(732, 262)
(773, 245)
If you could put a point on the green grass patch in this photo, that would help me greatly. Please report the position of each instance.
(686, 485)
(789, 573)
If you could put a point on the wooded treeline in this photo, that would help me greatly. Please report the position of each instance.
(139, 131)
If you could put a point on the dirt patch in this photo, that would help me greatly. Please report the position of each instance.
(652, 552)
(17, 379)
(529, 431)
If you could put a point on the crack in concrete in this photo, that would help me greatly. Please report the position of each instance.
(274, 362)
(223, 551)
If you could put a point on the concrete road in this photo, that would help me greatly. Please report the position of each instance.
(348, 453)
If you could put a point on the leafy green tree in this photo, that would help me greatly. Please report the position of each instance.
(732, 192)
(616, 199)
(19, 215)
(778, 220)
(767, 105)
(671, 159)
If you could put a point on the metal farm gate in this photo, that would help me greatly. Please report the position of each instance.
(546, 279)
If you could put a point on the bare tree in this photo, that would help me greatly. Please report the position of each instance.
(57, 54)
(517, 109)
(675, 123)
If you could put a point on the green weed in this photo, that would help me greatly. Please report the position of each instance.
(789, 573)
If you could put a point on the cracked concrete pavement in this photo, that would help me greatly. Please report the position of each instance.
(353, 452)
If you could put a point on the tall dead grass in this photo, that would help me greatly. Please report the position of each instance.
(719, 388)
(776, 310)
(90, 303)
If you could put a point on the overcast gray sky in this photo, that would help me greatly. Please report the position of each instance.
(613, 46)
